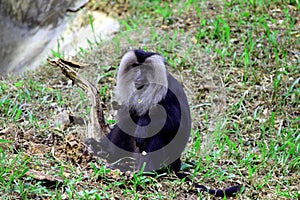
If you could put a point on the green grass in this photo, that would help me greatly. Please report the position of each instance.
(239, 62)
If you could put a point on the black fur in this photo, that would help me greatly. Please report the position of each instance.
(176, 122)
(228, 192)
(142, 55)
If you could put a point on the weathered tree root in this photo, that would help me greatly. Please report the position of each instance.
(97, 127)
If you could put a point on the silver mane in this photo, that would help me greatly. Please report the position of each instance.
(141, 100)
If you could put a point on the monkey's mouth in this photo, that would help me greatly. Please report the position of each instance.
(140, 84)
(139, 87)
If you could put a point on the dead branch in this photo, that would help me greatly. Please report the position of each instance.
(97, 127)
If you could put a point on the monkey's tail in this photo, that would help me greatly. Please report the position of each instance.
(228, 192)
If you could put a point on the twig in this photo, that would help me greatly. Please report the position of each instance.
(97, 126)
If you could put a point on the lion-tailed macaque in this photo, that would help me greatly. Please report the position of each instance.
(154, 121)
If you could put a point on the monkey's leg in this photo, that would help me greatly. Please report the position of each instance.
(153, 154)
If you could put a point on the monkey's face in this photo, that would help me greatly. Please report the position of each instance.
(141, 81)
(143, 75)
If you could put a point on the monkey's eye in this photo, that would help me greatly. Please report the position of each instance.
(136, 64)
